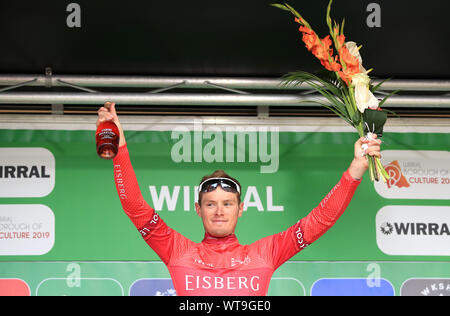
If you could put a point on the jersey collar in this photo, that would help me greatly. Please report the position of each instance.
(220, 240)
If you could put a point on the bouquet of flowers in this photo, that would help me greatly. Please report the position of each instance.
(345, 84)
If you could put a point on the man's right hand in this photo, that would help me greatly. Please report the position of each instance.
(108, 113)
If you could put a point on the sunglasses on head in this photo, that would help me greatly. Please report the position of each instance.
(226, 184)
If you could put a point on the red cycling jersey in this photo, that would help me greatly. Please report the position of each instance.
(222, 266)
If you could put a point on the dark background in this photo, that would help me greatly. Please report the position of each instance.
(217, 38)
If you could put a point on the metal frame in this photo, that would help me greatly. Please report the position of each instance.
(436, 92)
(50, 80)
(172, 122)
(186, 99)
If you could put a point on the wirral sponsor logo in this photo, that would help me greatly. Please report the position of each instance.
(423, 229)
(26, 172)
(414, 230)
(415, 175)
(426, 287)
(170, 198)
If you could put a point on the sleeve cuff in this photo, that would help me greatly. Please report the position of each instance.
(349, 178)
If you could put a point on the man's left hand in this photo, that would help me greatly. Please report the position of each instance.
(364, 146)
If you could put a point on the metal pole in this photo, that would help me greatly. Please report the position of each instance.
(200, 99)
(199, 83)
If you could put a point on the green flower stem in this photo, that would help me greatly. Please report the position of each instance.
(353, 105)
(383, 172)
(372, 172)
(333, 34)
(350, 107)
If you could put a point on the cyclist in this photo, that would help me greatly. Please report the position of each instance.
(220, 265)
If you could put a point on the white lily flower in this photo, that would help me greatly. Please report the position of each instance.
(361, 78)
(364, 98)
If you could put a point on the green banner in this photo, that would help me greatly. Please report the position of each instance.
(58, 200)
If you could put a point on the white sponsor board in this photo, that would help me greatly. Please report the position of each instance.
(414, 230)
(26, 172)
(415, 174)
(26, 229)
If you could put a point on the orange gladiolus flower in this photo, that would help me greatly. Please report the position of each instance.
(320, 48)
(306, 30)
(309, 37)
(333, 66)
(351, 63)
(336, 30)
(350, 60)
(340, 40)
(325, 54)
(299, 20)
(320, 51)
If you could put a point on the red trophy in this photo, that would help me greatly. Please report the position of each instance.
(107, 138)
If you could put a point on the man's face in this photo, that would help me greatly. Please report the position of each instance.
(219, 211)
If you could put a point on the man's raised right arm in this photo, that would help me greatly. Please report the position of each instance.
(152, 228)
(133, 203)
(127, 186)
